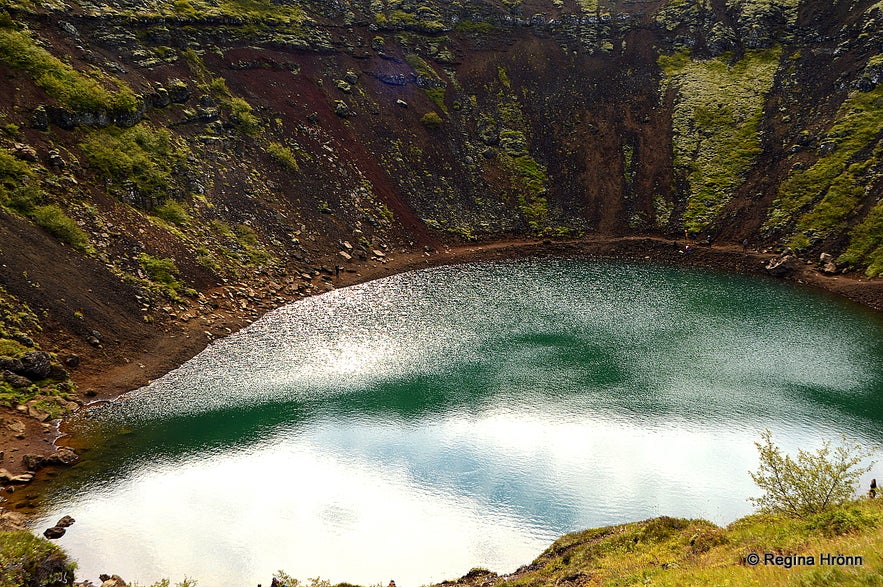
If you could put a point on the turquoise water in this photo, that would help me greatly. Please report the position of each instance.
(417, 426)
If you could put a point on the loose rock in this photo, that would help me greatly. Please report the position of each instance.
(54, 532)
(36, 365)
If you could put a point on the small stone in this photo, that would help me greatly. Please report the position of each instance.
(24, 152)
(54, 532)
(65, 522)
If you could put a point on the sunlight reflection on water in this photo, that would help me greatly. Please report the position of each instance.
(418, 426)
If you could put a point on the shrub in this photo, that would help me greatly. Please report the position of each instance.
(144, 155)
(839, 521)
(28, 561)
(160, 270)
(431, 120)
(810, 484)
(172, 212)
(283, 155)
(243, 117)
(60, 225)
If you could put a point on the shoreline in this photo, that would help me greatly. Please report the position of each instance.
(116, 376)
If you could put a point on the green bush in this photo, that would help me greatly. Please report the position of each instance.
(60, 225)
(28, 561)
(58, 79)
(24, 199)
(164, 274)
(839, 521)
(283, 156)
(143, 155)
(159, 270)
(243, 117)
(431, 120)
(12, 169)
(810, 484)
(172, 212)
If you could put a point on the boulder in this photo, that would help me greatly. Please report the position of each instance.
(342, 109)
(63, 456)
(15, 380)
(24, 152)
(7, 477)
(177, 91)
(10, 364)
(72, 361)
(23, 339)
(33, 462)
(112, 581)
(40, 119)
(58, 373)
(65, 522)
(782, 265)
(54, 532)
(827, 263)
(56, 161)
(36, 365)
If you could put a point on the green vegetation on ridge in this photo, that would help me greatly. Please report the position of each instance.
(70, 87)
(716, 125)
(821, 199)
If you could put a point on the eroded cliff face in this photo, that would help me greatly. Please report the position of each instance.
(155, 151)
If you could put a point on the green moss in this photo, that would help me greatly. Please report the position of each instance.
(60, 225)
(26, 560)
(222, 228)
(716, 126)
(12, 348)
(12, 170)
(243, 117)
(866, 243)
(431, 120)
(423, 69)
(172, 212)
(143, 155)
(71, 88)
(15, 316)
(821, 199)
(283, 155)
(164, 273)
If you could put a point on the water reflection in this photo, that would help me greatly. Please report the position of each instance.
(418, 426)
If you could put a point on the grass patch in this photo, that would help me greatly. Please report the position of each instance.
(431, 120)
(59, 80)
(61, 226)
(678, 552)
(26, 560)
(172, 212)
(283, 155)
(12, 348)
(143, 155)
(716, 123)
(15, 317)
(164, 273)
(243, 117)
(866, 243)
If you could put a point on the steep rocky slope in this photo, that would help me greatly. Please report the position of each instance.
(173, 168)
